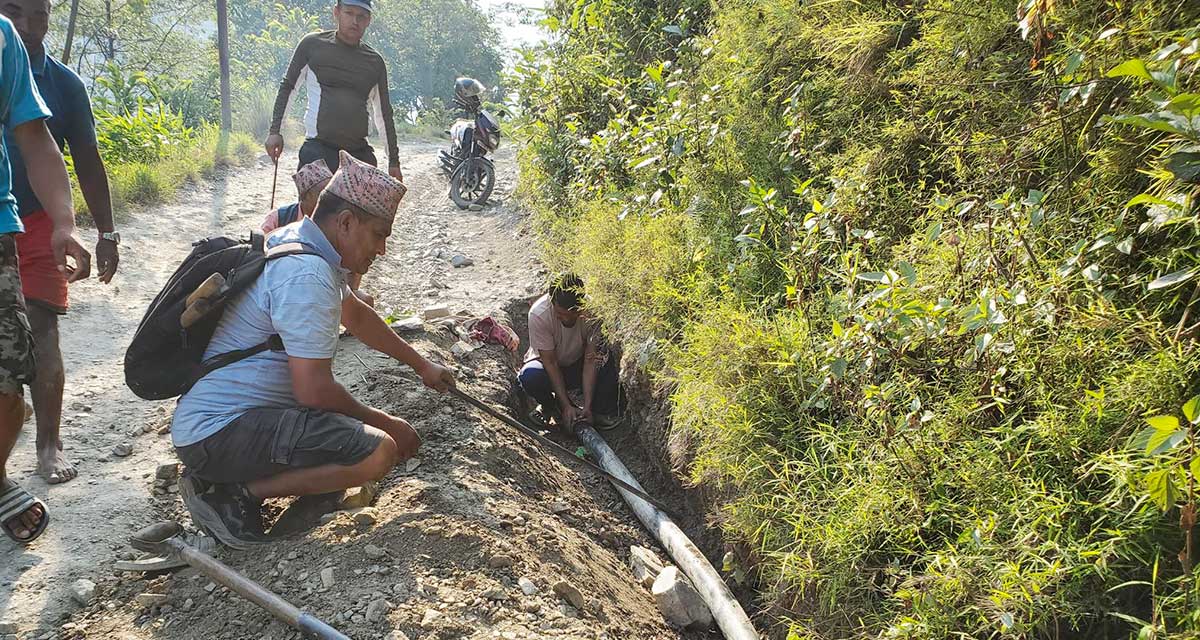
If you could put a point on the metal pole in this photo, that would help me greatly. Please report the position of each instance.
(560, 450)
(254, 592)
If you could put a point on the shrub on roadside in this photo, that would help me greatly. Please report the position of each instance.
(917, 281)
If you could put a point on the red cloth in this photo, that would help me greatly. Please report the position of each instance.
(41, 281)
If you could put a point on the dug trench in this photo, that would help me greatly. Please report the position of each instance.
(468, 540)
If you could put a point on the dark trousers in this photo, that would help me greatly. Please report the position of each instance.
(314, 149)
(536, 382)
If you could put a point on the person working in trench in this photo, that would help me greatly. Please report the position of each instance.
(278, 424)
(564, 355)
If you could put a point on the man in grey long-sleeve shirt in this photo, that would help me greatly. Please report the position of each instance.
(345, 79)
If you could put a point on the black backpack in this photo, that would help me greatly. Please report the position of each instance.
(165, 358)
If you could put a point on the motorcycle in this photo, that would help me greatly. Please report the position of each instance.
(472, 174)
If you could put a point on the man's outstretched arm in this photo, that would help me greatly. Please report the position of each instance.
(366, 325)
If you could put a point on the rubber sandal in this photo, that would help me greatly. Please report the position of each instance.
(14, 502)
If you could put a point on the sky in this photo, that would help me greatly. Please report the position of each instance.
(514, 21)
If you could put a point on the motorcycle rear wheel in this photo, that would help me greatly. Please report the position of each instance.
(472, 183)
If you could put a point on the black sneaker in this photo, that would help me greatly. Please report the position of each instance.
(220, 514)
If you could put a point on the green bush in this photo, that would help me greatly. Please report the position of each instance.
(142, 183)
(917, 280)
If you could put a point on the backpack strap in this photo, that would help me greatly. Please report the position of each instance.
(273, 343)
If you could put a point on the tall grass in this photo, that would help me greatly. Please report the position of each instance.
(910, 311)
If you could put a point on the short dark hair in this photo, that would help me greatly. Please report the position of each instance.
(330, 204)
(567, 292)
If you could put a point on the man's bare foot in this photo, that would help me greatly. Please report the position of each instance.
(54, 467)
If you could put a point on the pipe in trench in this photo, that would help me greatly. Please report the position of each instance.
(726, 610)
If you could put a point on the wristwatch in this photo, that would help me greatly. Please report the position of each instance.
(111, 236)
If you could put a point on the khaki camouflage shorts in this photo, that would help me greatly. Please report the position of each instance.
(16, 337)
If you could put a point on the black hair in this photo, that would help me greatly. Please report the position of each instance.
(567, 292)
(330, 204)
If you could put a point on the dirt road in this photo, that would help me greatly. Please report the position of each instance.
(454, 534)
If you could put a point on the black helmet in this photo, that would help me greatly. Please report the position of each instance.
(465, 88)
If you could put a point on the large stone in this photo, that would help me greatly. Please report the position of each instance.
(365, 517)
(377, 610)
(374, 552)
(151, 599)
(645, 564)
(83, 591)
(435, 312)
(122, 450)
(527, 586)
(568, 592)
(327, 579)
(411, 323)
(679, 602)
(430, 618)
(359, 497)
(459, 260)
(167, 471)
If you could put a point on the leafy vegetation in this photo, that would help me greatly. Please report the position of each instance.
(916, 275)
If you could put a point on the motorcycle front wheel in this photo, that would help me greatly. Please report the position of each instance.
(472, 183)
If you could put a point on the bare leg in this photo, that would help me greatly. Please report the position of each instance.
(328, 477)
(12, 413)
(47, 392)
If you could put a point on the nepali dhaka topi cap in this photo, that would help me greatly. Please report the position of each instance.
(366, 187)
(311, 175)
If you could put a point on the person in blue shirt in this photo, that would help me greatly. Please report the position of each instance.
(23, 517)
(45, 288)
(278, 424)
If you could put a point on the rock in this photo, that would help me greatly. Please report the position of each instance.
(559, 507)
(678, 600)
(377, 610)
(435, 312)
(396, 634)
(83, 591)
(459, 260)
(437, 283)
(500, 561)
(412, 464)
(150, 599)
(430, 618)
(374, 552)
(527, 586)
(188, 604)
(462, 348)
(7, 627)
(645, 564)
(411, 323)
(495, 594)
(365, 517)
(360, 497)
(568, 592)
(474, 207)
(327, 579)
(122, 450)
(210, 587)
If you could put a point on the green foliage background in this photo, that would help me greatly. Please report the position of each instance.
(914, 279)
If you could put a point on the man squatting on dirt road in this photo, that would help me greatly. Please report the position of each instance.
(346, 82)
(278, 424)
(563, 356)
(45, 287)
(23, 114)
